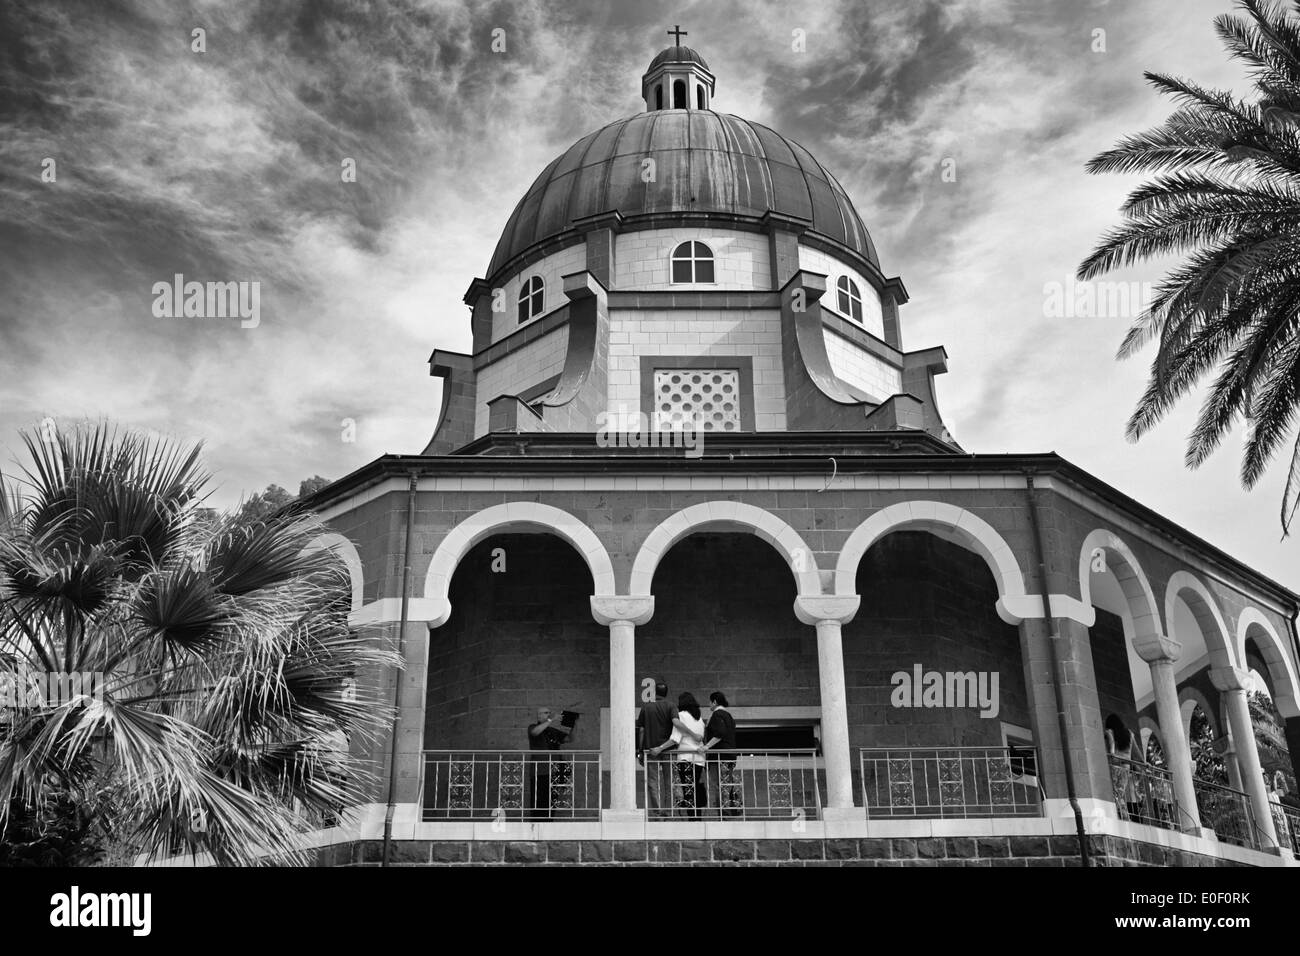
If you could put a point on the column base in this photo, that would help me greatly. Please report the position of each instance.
(623, 817)
(1092, 808)
(844, 814)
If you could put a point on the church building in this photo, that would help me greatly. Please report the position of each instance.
(691, 446)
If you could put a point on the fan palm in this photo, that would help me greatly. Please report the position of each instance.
(1226, 198)
(221, 699)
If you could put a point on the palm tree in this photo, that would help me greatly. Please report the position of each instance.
(1226, 198)
(216, 703)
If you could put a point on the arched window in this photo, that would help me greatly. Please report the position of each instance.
(692, 262)
(679, 94)
(849, 298)
(532, 295)
(699, 97)
(659, 96)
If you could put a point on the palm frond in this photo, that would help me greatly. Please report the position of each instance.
(1225, 200)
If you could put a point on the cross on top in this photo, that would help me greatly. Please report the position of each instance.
(677, 33)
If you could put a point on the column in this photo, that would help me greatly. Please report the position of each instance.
(1169, 716)
(621, 615)
(1232, 765)
(1231, 682)
(1065, 715)
(828, 614)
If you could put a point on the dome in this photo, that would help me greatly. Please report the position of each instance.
(677, 54)
(705, 162)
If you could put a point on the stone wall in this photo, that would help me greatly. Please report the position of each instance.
(716, 334)
(855, 365)
(724, 621)
(814, 260)
(642, 257)
(519, 371)
(517, 640)
(1110, 663)
(552, 270)
(927, 601)
(988, 851)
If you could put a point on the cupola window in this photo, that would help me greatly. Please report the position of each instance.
(849, 298)
(532, 296)
(699, 97)
(693, 262)
(679, 94)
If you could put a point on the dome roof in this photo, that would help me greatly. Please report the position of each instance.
(677, 54)
(705, 162)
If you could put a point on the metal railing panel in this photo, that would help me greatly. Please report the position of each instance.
(734, 785)
(511, 785)
(949, 782)
(1227, 812)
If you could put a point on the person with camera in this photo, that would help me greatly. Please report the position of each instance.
(545, 734)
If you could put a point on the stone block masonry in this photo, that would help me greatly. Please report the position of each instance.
(991, 852)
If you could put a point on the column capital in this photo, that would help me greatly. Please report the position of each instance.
(1155, 648)
(1227, 679)
(812, 609)
(634, 609)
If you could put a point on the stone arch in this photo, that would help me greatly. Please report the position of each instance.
(347, 553)
(953, 524)
(1252, 623)
(1189, 698)
(1141, 600)
(1199, 600)
(1147, 729)
(764, 524)
(513, 515)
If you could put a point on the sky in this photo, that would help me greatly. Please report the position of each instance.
(959, 128)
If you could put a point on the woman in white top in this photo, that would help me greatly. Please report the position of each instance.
(688, 738)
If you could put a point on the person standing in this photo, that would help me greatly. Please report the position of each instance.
(721, 734)
(688, 737)
(545, 734)
(654, 727)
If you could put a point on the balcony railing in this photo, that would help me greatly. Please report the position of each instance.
(1145, 794)
(511, 785)
(734, 785)
(1286, 820)
(1227, 812)
(950, 782)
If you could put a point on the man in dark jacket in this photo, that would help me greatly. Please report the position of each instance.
(654, 725)
(545, 734)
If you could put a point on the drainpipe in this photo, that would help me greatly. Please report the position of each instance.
(1053, 640)
(401, 653)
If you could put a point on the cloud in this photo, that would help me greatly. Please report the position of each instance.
(225, 165)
